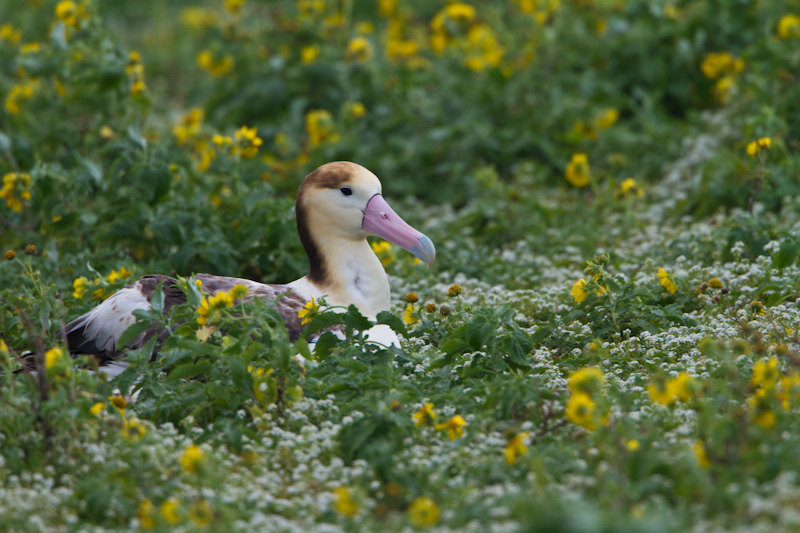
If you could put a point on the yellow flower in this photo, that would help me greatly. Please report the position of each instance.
(606, 119)
(423, 512)
(761, 409)
(386, 7)
(765, 373)
(320, 127)
(189, 125)
(682, 386)
(117, 275)
(453, 426)
(9, 34)
(309, 54)
(666, 282)
(169, 510)
(10, 254)
(629, 187)
(410, 315)
(789, 26)
(580, 290)
(789, 388)
(144, 512)
(588, 380)
(425, 415)
(234, 6)
(356, 109)
(717, 64)
(239, 291)
(580, 410)
(454, 290)
(700, 454)
(632, 445)
(15, 189)
(119, 402)
(79, 286)
(516, 447)
(249, 141)
(359, 49)
(308, 312)
(66, 12)
(384, 251)
(52, 357)
(138, 87)
(97, 408)
(201, 513)
(133, 429)
(660, 391)
(578, 172)
(206, 61)
(724, 89)
(192, 458)
(758, 145)
(715, 283)
(344, 502)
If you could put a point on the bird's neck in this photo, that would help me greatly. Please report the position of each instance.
(348, 272)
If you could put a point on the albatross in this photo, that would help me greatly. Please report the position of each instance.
(338, 206)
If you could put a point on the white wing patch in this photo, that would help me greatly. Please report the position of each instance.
(106, 322)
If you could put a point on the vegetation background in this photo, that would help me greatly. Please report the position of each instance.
(607, 341)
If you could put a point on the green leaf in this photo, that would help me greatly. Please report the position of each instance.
(133, 331)
(353, 364)
(190, 370)
(393, 321)
(517, 344)
(786, 254)
(354, 320)
(479, 331)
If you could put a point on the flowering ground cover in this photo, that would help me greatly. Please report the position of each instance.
(608, 340)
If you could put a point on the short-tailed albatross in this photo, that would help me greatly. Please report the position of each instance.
(338, 206)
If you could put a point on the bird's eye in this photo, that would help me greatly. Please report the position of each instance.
(347, 191)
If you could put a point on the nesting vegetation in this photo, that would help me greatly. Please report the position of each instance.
(608, 340)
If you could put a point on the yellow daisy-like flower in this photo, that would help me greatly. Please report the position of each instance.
(359, 49)
(789, 26)
(308, 312)
(516, 447)
(309, 54)
(588, 380)
(606, 119)
(384, 251)
(97, 408)
(700, 454)
(144, 512)
(755, 147)
(632, 445)
(580, 410)
(666, 282)
(423, 512)
(660, 391)
(133, 429)
(117, 275)
(425, 415)
(453, 426)
(239, 291)
(249, 142)
(192, 458)
(410, 315)
(52, 357)
(578, 171)
(170, 510)
(345, 505)
(761, 409)
(765, 373)
(579, 290)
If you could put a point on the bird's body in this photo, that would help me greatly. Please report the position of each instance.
(338, 206)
